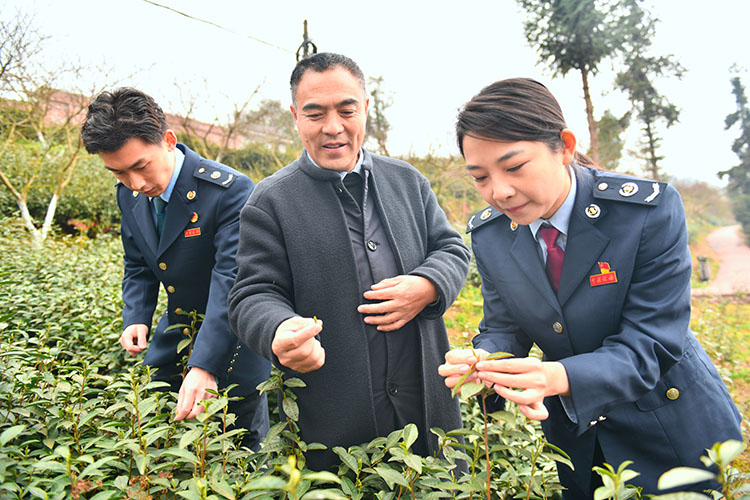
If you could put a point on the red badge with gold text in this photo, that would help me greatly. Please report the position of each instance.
(196, 231)
(606, 277)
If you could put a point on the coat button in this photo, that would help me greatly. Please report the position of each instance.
(170, 289)
(673, 393)
(163, 266)
(557, 327)
(372, 246)
(393, 389)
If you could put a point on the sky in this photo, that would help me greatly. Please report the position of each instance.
(433, 57)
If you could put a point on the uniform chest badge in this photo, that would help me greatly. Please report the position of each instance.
(196, 231)
(194, 218)
(605, 276)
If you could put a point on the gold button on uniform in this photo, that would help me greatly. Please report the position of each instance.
(201, 170)
(163, 266)
(215, 174)
(557, 327)
(170, 289)
(673, 393)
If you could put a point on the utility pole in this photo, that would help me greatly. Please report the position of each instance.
(307, 48)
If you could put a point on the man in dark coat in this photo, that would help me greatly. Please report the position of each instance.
(359, 242)
(180, 217)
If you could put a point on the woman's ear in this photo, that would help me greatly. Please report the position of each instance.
(569, 145)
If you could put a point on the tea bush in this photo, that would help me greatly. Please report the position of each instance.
(79, 419)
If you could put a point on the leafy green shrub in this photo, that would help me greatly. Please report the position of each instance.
(80, 420)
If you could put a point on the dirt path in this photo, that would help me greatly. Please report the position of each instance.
(734, 263)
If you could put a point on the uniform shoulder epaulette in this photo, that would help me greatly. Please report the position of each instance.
(481, 218)
(215, 174)
(631, 190)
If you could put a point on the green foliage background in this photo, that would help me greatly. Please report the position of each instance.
(80, 420)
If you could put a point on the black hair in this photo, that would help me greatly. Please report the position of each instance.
(320, 62)
(515, 109)
(116, 116)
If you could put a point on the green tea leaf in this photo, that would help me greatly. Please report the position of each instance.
(189, 437)
(411, 433)
(391, 476)
(681, 476)
(10, 433)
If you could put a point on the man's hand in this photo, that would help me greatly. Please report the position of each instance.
(296, 346)
(401, 298)
(458, 362)
(193, 391)
(133, 338)
(526, 381)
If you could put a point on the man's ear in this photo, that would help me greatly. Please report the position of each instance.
(170, 139)
(569, 145)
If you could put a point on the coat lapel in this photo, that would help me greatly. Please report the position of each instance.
(585, 242)
(526, 254)
(142, 212)
(179, 210)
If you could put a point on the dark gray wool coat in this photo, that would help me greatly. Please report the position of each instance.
(295, 258)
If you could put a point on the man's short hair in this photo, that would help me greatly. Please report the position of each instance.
(323, 62)
(116, 116)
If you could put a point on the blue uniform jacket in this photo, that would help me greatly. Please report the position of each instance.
(195, 262)
(639, 380)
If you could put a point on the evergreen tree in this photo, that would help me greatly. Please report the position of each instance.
(610, 139)
(574, 35)
(739, 175)
(640, 69)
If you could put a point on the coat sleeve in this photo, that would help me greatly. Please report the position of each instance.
(140, 286)
(262, 296)
(216, 342)
(653, 329)
(447, 262)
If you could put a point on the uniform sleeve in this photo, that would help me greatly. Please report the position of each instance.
(262, 296)
(140, 287)
(447, 261)
(654, 322)
(216, 342)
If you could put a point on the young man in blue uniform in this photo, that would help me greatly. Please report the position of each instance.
(180, 226)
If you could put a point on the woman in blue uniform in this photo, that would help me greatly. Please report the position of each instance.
(594, 268)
